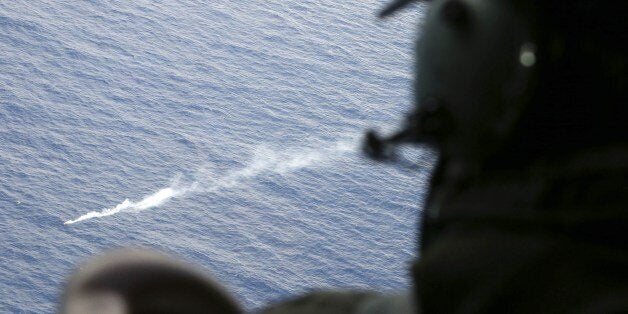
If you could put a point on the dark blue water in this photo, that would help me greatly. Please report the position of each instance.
(231, 128)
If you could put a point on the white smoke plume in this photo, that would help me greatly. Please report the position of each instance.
(264, 161)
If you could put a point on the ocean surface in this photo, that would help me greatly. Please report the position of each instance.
(225, 133)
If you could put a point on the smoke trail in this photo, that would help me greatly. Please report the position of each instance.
(265, 160)
(152, 200)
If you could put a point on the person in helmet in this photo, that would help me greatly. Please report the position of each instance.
(526, 102)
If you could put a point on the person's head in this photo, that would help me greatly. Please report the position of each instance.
(503, 82)
(142, 281)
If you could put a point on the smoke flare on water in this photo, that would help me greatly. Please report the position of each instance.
(264, 161)
(152, 200)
